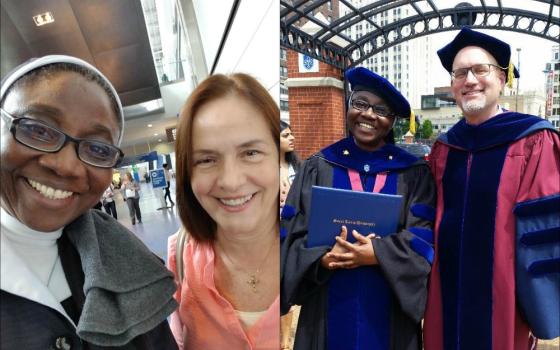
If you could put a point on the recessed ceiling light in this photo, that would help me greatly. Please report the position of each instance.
(43, 18)
(159, 140)
(149, 125)
(155, 134)
(152, 105)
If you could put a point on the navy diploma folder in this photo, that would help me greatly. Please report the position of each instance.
(364, 212)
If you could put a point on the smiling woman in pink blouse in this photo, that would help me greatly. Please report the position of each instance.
(227, 193)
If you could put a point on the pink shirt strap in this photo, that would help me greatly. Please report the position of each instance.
(379, 182)
(356, 182)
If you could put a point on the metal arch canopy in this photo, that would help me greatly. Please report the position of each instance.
(304, 29)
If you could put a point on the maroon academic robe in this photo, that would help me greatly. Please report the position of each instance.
(486, 176)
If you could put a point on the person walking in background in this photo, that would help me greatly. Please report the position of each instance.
(289, 161)
(289, 165)
(109, 202)
(369, 294)
(495, 276)
(168, 180)
(131, 193)
(71, 277)
(227, 269)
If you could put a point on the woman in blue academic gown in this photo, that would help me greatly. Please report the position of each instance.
(369, 294)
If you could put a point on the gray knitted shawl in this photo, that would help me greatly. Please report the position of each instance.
(128, 290)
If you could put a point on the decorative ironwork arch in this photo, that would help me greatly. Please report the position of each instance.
(351, 52)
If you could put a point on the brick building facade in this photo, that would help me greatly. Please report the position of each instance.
(316, 106)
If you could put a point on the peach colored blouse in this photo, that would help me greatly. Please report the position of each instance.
(205, 319)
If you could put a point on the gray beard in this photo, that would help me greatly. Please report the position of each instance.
(474, 106)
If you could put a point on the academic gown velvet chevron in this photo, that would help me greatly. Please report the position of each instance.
(371, 307)
(497, 264)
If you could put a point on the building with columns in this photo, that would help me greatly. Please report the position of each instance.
(552, 87)
(440, 107)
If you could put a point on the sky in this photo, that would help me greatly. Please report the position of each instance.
(535, 52)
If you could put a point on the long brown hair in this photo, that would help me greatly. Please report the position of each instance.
(196, 220)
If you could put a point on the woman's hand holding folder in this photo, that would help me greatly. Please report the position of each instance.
(350, 255)
(327, 260)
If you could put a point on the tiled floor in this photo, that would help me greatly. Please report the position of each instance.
(156, 224)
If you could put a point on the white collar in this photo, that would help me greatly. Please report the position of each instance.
(22, 233)
(15, 276)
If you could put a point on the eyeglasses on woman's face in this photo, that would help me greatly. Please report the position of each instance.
(363, 106)
(478, 70)
(40, 136)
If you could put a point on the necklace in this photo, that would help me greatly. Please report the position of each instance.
(253, 279)
(284, 175)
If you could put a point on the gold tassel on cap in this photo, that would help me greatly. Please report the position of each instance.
(510, 75)
(412, 122)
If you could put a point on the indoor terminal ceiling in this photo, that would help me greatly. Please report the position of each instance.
(111, 35)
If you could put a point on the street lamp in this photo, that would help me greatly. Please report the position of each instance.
(519, 70)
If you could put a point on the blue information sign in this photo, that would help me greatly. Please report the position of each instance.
(158, 178)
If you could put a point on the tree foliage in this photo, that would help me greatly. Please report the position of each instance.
(426, 130)
(401, 128)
